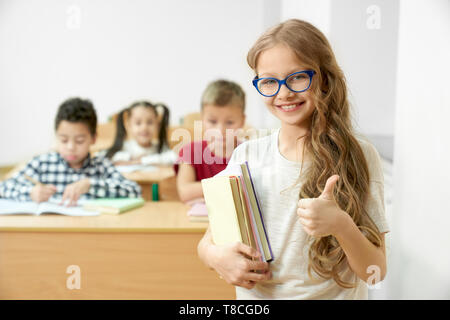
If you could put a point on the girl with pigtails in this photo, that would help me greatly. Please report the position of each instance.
(141, 136)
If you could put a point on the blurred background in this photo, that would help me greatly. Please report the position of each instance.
(394, 53)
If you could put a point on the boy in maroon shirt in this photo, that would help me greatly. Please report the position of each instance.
(223, 113)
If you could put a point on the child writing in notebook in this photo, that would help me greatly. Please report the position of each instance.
(320, 187)
(70, 172)
(141, 136)
(223, 112)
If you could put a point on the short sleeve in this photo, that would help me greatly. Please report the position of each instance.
(375, 204)
(233, 163)
(186, 154)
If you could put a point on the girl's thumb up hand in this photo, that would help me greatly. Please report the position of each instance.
(327, 193)
(322, 216)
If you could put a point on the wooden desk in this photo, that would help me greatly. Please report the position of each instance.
(147, 253)
(164, 177)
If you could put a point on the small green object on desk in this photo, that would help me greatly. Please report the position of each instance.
(155, 193)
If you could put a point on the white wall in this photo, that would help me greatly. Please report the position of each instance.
(364, 36)
(115, 52)
(317, 12)
(420, 267)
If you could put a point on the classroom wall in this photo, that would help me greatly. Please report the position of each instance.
(115, 52)
(420, 266)
(364, 35)
(317, 12)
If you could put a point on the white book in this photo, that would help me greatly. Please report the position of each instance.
(135, 167)
(30, 207)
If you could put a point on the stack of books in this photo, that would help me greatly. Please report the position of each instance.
(234, 211)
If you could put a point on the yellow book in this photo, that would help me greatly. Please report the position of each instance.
(220, 203)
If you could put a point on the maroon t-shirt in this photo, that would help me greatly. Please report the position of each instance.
(205, 163)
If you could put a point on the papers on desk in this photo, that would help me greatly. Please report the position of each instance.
(30, 207)
(136, 167)
(113, 205)
(198, 213)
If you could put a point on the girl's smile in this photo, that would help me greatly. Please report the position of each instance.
(291, 106)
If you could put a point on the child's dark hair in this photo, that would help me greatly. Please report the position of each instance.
(77, 110)
(121, 132)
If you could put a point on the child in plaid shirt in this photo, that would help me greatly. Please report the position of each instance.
(70, 172)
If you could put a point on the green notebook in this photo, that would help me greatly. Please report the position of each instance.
(113, 205)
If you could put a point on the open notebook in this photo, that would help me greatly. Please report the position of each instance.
(234, 211)
(52, 206)
(136, 167)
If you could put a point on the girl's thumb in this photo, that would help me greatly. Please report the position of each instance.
(327, 192)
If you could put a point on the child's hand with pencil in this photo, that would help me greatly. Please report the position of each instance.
(40, 192)
(73, 191)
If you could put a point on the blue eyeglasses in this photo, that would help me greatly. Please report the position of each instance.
(296, 82)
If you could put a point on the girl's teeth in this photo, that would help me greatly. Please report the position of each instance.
(289, 107)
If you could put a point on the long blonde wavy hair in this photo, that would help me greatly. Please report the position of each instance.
(331, 144)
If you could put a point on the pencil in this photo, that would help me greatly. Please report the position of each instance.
(33, 181)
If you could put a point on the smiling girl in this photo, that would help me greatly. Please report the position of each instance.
(321, 188)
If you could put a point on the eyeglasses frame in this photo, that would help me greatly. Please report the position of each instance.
(310, 73)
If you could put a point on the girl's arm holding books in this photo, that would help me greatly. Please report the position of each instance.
(233, 262)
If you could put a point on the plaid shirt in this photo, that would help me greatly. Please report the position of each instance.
(51, 168)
